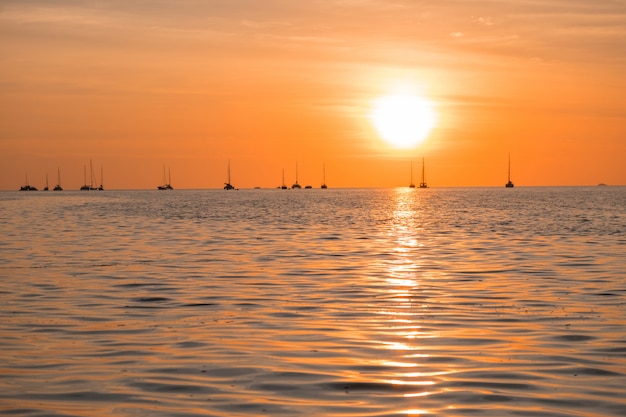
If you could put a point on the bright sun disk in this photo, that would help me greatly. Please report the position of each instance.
(403, 120)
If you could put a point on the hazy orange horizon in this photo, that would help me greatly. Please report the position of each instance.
(268, 85)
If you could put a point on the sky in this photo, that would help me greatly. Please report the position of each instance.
(131, 87)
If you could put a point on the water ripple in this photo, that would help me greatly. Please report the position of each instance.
(448, 302)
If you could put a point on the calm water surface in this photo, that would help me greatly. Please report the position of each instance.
(384, 302)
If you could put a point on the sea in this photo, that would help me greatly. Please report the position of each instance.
(314, 302)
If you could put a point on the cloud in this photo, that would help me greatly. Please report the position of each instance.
(485, 21)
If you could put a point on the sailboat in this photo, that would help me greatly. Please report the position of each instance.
(85, 187)
(27, 187)
(46, 187)
(167, 185)
(423, 183)
(228, 185)
(509, 184)
(101, 187)
(324, 176)
(412, 184)
(58, 186)
(92, 179)
(296, 185)
(283, 186)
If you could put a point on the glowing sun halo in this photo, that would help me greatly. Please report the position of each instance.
(403, 121)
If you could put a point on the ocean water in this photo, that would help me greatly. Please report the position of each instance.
(338, 302)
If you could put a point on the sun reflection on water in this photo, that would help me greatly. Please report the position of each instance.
(415, 412)
(403, 303)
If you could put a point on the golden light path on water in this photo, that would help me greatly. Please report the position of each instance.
(402, 281)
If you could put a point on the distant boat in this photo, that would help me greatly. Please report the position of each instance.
(423, 184)
(296, 185)
(324, 176)
(509, 184)
(46, 187)
(101, 187)
(167, 185)
(58, 186)
(228, 185)
(411, 184)
(27, 186)
(283, 186)
(85, 187)
(92, 179)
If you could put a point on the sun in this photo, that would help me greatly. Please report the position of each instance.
(403, 120)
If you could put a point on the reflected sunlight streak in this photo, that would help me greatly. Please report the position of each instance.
(415, 412)
(402, 293)
(400, 382)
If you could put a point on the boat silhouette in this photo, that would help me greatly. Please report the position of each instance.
(92, 179)
(296, 185)
(228, 185)
(423, 184)
(324, 176)
(58, 186)
(509, 183)
(167, 185)
(27, 186)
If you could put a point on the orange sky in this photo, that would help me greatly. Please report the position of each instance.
(268, 84)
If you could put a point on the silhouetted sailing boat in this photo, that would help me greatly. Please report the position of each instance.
(92, 179)
(283, 186)
(411, 184)
(101, 187)
(58, 186)
(296, 185)
(46, 187)
(509, 184)
(423, 183)
(27, 186)
(167, 185)
(85, 187)
(228, 185)
(324, 176)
